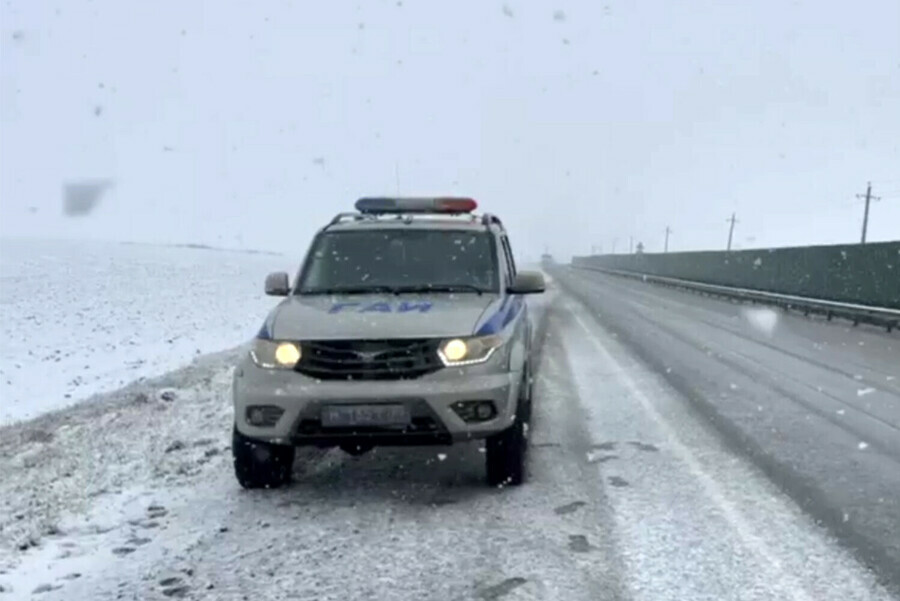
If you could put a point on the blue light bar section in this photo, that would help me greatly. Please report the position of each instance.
(377, 205)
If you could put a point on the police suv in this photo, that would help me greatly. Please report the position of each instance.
(406, 325)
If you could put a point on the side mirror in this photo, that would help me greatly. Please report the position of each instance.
(277, 284)
(528, 282)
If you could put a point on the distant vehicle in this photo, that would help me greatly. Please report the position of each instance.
(546, 258)
(406, 325)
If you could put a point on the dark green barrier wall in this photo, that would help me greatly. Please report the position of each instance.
(865, 274)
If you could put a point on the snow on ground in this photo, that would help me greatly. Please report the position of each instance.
(88, 484)
(132, 496)
(77, 318)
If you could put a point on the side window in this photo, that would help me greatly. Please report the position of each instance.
(510, 265)
(509, 257)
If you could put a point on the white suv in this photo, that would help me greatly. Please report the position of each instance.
(406, 325)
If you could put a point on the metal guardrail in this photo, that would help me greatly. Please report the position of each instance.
(880, 316)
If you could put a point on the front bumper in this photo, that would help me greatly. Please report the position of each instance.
(428, 400)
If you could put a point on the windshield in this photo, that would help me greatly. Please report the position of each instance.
(400, 260)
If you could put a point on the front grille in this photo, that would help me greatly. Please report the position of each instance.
(400, 359)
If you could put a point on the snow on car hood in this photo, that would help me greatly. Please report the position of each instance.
(379, 316)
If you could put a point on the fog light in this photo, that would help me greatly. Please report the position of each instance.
(256, 416)
(475, 411)
(484, 411)
(263, 416)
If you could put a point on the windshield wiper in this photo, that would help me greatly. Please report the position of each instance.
(384, 289)
(442, 288)
(375, 289)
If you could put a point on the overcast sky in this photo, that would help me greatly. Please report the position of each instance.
(578, 122)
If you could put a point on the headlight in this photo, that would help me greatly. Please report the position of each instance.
(468, 351)
(272, 354)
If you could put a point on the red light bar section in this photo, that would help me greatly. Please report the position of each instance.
(455, 205)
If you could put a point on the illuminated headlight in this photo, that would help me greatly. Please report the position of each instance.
(272, 354)
(468, 351)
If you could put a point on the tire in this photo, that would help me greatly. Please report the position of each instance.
(259, 464)
(525, 397)
(505, 451)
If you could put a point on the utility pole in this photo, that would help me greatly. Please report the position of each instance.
(615, 240)
(397, 175)
(733, 220)
(630, 245)
(668, 231)
(869, 198)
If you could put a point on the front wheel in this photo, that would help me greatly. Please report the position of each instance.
(505, 452)
(259, 464)
(505, 455)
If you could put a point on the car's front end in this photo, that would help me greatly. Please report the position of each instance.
(395, 332)
(442, 384)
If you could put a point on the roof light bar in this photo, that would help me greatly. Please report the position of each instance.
(416, 205)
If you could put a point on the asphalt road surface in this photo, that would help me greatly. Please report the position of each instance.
(815, 405)
(681, 449)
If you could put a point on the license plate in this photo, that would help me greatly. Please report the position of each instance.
(336, 416)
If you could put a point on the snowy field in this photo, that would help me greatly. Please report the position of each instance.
(80, 318)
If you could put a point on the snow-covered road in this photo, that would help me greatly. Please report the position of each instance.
(815, 405)
(630, 496)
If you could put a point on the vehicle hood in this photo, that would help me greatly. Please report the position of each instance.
(379, 316)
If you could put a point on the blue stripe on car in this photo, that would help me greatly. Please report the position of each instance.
(507, 311)
(264, 333)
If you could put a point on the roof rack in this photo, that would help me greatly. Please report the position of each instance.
(406, 217)
(348, 216)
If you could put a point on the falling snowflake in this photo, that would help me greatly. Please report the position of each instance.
(762, 319)
(863, 446)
